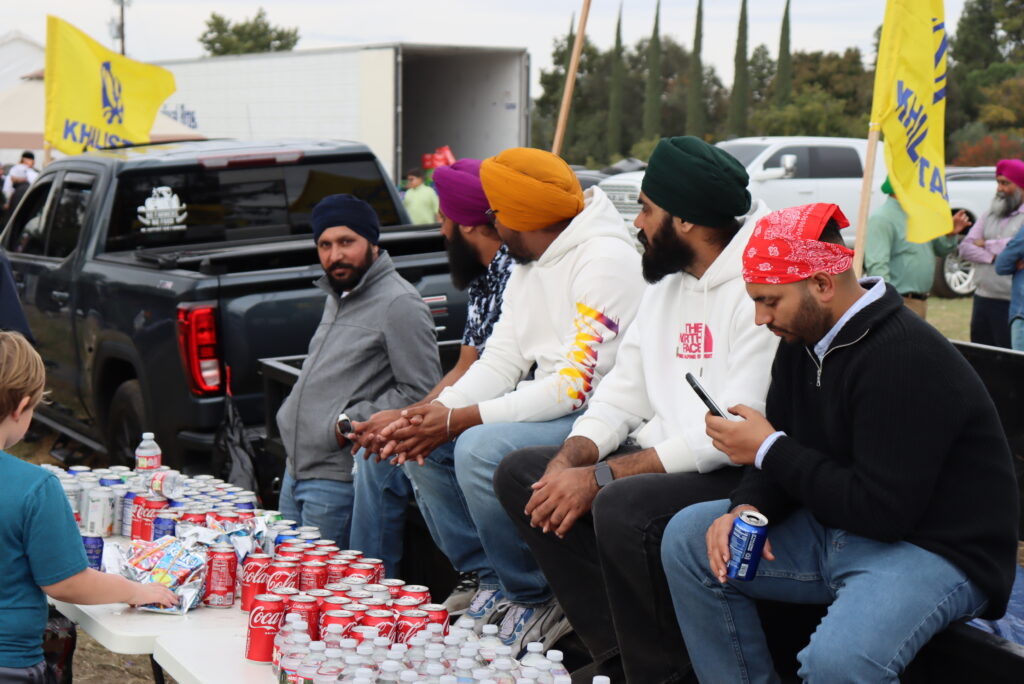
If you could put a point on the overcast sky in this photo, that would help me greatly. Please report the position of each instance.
(166, 29)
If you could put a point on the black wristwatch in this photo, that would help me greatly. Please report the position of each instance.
(603, 474)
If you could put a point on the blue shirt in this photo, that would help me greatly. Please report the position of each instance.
(485, 294)
(39, 545)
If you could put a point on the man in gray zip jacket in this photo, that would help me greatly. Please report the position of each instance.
(373, 350)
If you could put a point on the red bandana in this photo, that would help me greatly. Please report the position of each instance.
(785, 247)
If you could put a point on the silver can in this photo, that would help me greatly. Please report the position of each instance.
(119, 492)
(73, 490)
(87, 484)
(98, 515)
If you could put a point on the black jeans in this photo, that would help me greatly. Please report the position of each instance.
(990, 321)
(606, 572)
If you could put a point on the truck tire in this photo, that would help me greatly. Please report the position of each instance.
(954, 277)
(125, 423)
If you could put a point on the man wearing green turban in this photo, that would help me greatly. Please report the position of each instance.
(593, 509)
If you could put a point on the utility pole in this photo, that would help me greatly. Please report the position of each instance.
(117, 25)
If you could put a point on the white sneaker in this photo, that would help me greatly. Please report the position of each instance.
(524, 623)
(463, 593)
(485, 603)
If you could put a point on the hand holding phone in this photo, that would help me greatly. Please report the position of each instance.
(705, 397)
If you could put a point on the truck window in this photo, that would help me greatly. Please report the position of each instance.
(27, 230)
(835, 162)
(158, 208)
(744, 152)
(803, 160)
(69, 214)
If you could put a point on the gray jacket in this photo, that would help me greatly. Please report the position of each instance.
(374, 349)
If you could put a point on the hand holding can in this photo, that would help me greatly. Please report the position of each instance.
(717, 539)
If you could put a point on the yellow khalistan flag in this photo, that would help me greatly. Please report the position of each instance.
(96, 97)
(910, 107)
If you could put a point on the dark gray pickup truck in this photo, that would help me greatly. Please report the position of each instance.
(146, 272)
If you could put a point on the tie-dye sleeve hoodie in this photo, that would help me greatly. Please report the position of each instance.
(566, 313)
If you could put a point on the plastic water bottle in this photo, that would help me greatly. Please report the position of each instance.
(435, 633)
(451, 648)
(435, 656)
(409, 676)
(310, 666)
(482, 674)
(434, 672)
(148, 455)
(281, 639)
(504, 671)
(330, 669)
(555, 658)
(361, 675)
(166, 483)
(566, 679)
(381, 647)
(390, 671)
(348, 647)
(416, 654)
(534, 653)
(526, 680)
(365, 652)
(464, 671)
(543, 668)
(489, 642)
(530, 673)
(291, 661)
(468, 624)
(332, 638)
(447, 679)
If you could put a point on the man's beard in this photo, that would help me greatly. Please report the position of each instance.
(340, 285)
(516, 249)
(666, 253)
(463, 260)
(1005, 203)
(810, 324)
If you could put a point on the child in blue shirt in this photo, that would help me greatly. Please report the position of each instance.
(41, 551)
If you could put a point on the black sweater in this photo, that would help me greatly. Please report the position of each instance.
(900, 442)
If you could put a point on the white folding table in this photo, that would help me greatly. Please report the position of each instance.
(216, 657)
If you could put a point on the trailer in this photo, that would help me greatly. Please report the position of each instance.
(401, 99)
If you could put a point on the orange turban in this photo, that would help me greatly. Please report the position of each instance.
(530, 189)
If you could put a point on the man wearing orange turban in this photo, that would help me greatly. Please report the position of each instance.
(565, 310)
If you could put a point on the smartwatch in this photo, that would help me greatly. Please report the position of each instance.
(343, 426)
(603, 474)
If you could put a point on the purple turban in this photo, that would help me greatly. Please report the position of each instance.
(1012, 169)
(461, 194)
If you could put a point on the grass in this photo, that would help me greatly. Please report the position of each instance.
(952, 317)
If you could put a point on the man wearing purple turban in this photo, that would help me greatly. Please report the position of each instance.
(477, 260)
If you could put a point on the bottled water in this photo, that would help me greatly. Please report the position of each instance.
(330, 670)
(416, 654)
(482, 674)
(365, 653)
(390, 671)
(464, 671)
(290, 663)
(566, 679)
(434, 671)
(309, 667)
(435, 633)
(447, 679)
(282, 638)
(468, 624)
(409, 676)
(557, 668)
(451, 648)
(333, 636)
(381, 646)
(360, 675)
(435, 656)
(504, 671)
(489, 642)
(148, 455)
(534, 653)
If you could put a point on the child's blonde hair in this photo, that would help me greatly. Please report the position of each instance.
(22, 373)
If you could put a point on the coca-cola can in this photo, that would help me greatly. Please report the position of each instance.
(331, 550)
(196, 516)
(244, 514)
(354, 582)
(383, 620)
(394, 586)
(352, 552)
(225, 516)
(378, 568)
(410, 622)
(437, 613)
(312, 575)
(288, 558)
(305, 607)
(346, 618)
(417, 590)
(363, 633)
(324, 542)
(363, 570)
(378, 591)
(357, 609)
(358, 595)
(221, 576)
(313, 554)
(336, 570)
(406, 603)
(334, 602)
(281, 574)
(144, 509)
(286, 594)
(320, 595)
(254, 577)
(266, 615)
(337, 588)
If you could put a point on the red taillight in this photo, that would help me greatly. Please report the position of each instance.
(197, 339)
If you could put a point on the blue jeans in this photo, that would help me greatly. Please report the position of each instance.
(1017, 334)
(378, 515)
(885, 600)
(326, 504)
(456, 491)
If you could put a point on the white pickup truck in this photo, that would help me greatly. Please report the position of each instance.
(789, 171)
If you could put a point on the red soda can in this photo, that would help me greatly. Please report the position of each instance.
(337, 588)
(265, 618)
(320, 595)
(281, 574)
(363, 570)
(378, 591)
(345, 618)
(286, 593)
(288, 547)
(362, 633)
(354, 582)
(394, 586)
(225, 516)
(288, 557)
(254, 577)
(352, 552)
(358, 595)
(244, 514)
(357, 609)
(336, 570)
(323, 542)
(383, 620)
(305, 607)
(406, 603)
(410, 622)
(315, 555)
(312, 575)
(221, 576)
(308, 536)
(144, 509)
(194, 516)
(437, 613)
(378, 568)
(376, 604)
(333, 602)
(417, 590)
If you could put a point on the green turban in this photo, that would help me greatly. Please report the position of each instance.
(887, 187)
(696, 182)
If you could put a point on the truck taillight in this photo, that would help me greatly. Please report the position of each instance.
(197, 339)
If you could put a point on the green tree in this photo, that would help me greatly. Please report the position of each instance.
(813, 111)
(784, 74)
(740, 97)
(696, 107)
(842, 76)
(618, 75)
(652, 94)
(222, 37)
(1010, 14)
(761, 70)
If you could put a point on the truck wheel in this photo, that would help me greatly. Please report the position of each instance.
(126, 422)
(954, 277)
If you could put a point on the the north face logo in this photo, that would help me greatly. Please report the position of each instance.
(695, 342)
(113, 104)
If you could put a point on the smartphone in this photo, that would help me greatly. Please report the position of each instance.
(705, 397)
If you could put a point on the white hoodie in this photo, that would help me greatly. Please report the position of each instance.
(566, 312)
(705, 327)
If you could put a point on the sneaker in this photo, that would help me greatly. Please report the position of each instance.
(524, 623)
(484, 603)
(463, 593)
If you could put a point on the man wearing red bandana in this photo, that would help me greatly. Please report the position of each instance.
(885, 501)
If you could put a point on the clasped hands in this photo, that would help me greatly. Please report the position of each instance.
(401, 435)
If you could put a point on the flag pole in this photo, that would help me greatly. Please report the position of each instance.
(865, 200)
(570, 80)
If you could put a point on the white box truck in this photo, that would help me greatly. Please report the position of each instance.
(401, 99)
